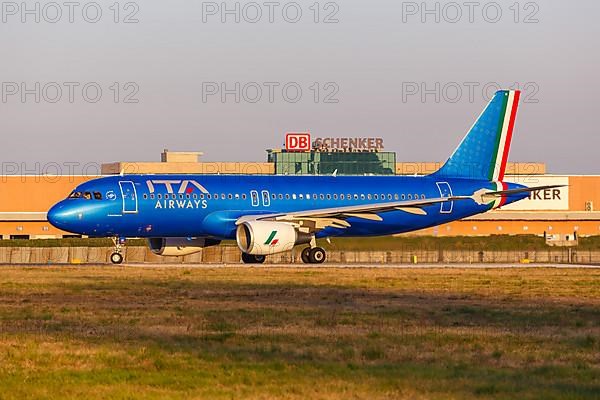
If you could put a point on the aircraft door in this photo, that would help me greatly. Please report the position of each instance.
(266, 199)
(445, 191)
(254, 198)
(129, 195)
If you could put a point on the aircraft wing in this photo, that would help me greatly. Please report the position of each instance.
(336, 216)
(314, 220)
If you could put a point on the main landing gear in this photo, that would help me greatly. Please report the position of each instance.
(252, 259)
(116, 257)
(313, 255)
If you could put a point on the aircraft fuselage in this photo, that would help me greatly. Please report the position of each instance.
(210, 205)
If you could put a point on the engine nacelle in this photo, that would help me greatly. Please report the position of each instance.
(266, 237)
(179, 246)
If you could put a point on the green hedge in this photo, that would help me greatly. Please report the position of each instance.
(69, 242)
(484, 243)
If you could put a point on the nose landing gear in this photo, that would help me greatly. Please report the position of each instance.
(116, 257)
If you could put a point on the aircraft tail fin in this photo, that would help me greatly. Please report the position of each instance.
(483, 152)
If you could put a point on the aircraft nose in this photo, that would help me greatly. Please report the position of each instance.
(61, 216)
(55, 215)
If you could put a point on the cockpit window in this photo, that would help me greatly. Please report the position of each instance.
(86, 195)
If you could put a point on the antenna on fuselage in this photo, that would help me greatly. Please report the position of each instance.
(334, 173)
(122, 172)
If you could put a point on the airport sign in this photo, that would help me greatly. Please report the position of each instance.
(348, 144)
(541, 200)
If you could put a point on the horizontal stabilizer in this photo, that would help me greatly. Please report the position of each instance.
(485, 196)
(522, 190)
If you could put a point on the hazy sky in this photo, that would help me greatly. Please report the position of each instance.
(367, 66)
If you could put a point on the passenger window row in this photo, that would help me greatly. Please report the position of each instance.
(294, 196)
(195, 196)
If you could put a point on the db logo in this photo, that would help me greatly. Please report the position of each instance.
(295, 141)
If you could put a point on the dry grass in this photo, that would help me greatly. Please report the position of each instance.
(262, 333)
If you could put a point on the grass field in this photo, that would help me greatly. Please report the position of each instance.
(263, 333)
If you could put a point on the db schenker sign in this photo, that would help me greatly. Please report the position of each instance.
(300, 141)
(297, 141)
(541, 200)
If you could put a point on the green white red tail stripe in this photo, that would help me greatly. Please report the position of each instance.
(483, 152)
(505, 131)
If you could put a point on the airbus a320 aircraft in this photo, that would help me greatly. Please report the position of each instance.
(181, 214)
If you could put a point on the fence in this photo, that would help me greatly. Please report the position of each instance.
(229, 254)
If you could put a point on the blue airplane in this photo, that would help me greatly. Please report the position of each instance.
(268, 214)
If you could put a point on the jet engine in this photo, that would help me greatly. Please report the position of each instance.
(179, 246)
(266, 237)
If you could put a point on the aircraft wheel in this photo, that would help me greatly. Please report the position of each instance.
(116, 258)
(305, 255)
(252, 259)
(317, 255)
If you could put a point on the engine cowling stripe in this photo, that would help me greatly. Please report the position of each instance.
(271, 236)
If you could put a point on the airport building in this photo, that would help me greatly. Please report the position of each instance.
(326, 163)
(559, 213)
